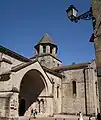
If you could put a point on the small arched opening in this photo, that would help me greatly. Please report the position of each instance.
(32, 85)
(74, 87)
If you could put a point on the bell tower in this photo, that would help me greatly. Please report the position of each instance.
(46, 52)
(45, 46)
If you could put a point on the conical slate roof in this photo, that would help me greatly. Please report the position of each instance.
(46, 39)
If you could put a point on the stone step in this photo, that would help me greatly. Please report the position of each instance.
(52, 118)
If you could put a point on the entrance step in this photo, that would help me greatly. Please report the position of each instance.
(54, 118)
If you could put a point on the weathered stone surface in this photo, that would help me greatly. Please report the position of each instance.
(31, 86)
(96, 9)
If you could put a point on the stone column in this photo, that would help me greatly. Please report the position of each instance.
(95, 95)
(35, 51)
(47, 49)
(41, 106)
(40, 49)
(9, 106)
(14, 106)
(88, 92)
(4, 105)
(54, 51)
(90, 95)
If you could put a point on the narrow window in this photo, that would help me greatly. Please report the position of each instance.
(57, 91)
(74, 87)
(42, 106)
(44, 49)
(96, 88)
(38, 50)
(51, 48)
(58, 64)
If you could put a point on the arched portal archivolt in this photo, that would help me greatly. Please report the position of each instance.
(31, 87)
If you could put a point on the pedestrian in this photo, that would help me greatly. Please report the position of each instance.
(31, 113)
(90, 117)
(80, 116)
(98, 116)
(35, 113)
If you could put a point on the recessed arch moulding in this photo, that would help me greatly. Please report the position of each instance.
(33, 86)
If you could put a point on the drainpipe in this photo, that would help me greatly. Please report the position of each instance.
(53, 95)
(85, 90)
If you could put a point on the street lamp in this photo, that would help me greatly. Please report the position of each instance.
(72, 14)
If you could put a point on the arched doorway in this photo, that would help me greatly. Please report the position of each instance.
(21, 107)
(32, 85)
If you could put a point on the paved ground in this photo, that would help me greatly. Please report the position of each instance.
(65, 117)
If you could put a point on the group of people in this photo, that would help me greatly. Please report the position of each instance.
(34, 113)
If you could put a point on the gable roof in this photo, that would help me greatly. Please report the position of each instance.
(13, 54)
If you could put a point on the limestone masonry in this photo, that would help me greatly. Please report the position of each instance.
(44, 84)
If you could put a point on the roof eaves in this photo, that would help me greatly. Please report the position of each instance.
(13, 54)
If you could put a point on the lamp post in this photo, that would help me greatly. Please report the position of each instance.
(72, 14)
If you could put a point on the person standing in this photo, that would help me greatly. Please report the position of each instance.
(31, 113)
(80, 116)
(98, 116)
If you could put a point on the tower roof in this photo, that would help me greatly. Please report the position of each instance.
(46, 39)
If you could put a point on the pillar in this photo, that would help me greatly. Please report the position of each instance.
(47, 49)
(40, 49)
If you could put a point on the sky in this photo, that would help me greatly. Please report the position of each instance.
(24, 22)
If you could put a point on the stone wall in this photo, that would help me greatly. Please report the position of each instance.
(49, 61)
(73, 103)
(6, 66)
(13, 60)
(86, 98)
(92, 89)
(56, 93)
(96, 9)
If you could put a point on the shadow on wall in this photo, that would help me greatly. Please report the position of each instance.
(31, 87)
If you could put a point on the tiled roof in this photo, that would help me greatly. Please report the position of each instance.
(46, 39)
(70, 67)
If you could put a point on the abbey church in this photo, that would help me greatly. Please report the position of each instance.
(43, 83)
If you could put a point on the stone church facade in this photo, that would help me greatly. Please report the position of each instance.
(43, 83)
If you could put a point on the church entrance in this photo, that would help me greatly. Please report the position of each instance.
(21, 106)
(31, 87)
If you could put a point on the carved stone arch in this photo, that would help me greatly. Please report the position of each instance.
(31, 86)
(26, 73)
